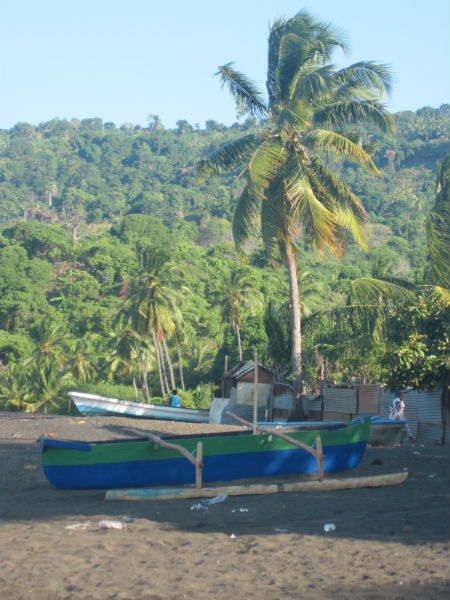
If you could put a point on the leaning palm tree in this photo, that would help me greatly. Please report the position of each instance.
(313, 115)
(241, 296)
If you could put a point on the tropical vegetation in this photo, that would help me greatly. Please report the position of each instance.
(315, 115)
(118, 269)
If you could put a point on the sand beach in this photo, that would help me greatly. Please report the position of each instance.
(388, 542)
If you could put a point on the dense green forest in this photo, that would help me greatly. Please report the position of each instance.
(103, 228)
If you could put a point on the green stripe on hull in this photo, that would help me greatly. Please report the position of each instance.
(129, 451)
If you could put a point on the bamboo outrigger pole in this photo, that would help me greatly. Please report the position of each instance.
(197, 460)
(257, 488)
(317, 452)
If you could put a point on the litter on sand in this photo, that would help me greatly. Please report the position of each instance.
(111, 524)
(74, 526)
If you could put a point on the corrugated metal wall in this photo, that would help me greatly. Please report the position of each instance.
(368, 399)
(411, 408)
(284, 401)
(422, 408)
(340, 399)
(432, 432)
(245, 411)
(423, 413)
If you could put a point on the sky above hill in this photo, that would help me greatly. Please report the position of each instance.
(123, 61)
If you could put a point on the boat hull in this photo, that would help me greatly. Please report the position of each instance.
(141, 463)
(90, 405)
(385, 432)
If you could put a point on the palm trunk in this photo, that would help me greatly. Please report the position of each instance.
(158, 362)
(136, 394)
(238, 333)
(163, 368)
(143, 375)
(180, 367)
(296, 329)
(169, 363)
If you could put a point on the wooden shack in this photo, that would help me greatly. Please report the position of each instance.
(238, 383)
(238, 394)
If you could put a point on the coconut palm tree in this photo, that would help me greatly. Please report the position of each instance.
(313, 115)
(152, 306)
(360, 328)
(14, 387)
(241, 297)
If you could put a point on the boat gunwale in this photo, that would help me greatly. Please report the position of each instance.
(199, 436)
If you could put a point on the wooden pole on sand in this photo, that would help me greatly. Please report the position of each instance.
(255, 488)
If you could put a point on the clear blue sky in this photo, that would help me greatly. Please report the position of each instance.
(122, 60)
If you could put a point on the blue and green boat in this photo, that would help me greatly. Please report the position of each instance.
(229, 456)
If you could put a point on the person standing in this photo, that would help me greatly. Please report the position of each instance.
(397, 412)
(175, 400)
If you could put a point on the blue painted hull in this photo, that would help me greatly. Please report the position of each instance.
(145, 465)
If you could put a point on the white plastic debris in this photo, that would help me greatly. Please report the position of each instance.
(232, 536)
(329, 527)
(432, 475)
(216, 500)
(111, 524)
(199, 507)
(84, 525)
(278, 530)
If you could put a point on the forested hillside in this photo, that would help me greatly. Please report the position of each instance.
(91, 213)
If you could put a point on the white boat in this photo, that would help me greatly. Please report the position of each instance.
(385, 432)
(92, 405)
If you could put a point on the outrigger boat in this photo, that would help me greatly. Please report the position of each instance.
(225, 457)
(92, 405)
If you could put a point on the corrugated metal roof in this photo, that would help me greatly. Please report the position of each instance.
(240, 370)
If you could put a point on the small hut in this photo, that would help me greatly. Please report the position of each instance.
(238, 393)
(238, 383)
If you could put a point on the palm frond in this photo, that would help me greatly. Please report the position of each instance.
(341, 114)
(336, 196)
(368, 74)
(245, 218)
(319, 224)
(228, 156)
(339, 146)
(294, 42)
(265, 162)
(244, 92)
(438, 230)
(368, 291)
(296, 115)
(439, 296)
(311, 82)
